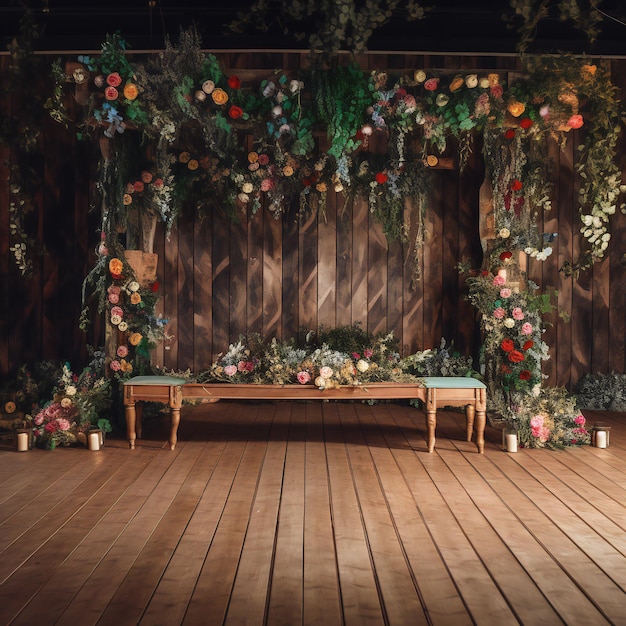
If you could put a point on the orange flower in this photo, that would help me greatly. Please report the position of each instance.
(288, 170)
(457, 83)
(253, 157)
(127, 199)
(219, 96)
(588, 71)
(193, 164)
(116, 266)
(130, 91)
(135, 297)
(184, 157)
(432, 160)
(516, 108)
(135, 339)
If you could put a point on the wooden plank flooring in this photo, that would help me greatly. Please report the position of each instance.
(314, 513)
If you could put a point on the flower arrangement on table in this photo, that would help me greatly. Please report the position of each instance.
(78, 403)
(316, 363)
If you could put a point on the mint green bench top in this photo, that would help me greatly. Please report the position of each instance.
(155, 380)
(453, 382)
(439, 382)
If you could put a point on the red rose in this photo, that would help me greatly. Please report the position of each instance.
(507, 345)
(235, 112)
(528, 345)
(509, 134)
(524, 375)
(381, 178)
(516, 185)
(154, 287)
(515, 356)
(506, 369)
(114, 79)
(138, 186)
(111, 93)
(307, 182)
(234, 82)
(505, 255)
(526, 123)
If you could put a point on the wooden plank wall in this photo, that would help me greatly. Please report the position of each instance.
(283, 277)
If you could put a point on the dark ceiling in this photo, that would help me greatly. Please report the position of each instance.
(450, 26)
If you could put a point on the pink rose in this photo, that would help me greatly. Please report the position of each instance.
(326, 372)
(527, 328)
(230, 370)
(505, 293)
(431, 84)
(111, 93)
(367, 353)
(157, 183)
(303, 377)
(266, 184)
(115, 365)
(114, 289)
(117, 310)
(114, 298)
(517, 313)
(122, 351)
(499, 313)
(38, 419)
(537, 421)
(114, 79)
(498, 281)
(63, 424)
(580, 420)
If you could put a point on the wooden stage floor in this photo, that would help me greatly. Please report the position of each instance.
(314, 513)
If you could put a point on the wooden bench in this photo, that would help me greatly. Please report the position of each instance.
(436, 392)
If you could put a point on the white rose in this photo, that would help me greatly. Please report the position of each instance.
(123, 326)
(208, 86)
(320, 382)
(115, 320)
(133, 285)
(504, 233)
(295, 86)
(70, 390)
(509, 322)
(471, 81)
(419, 76)
(243, 197)
(277, 111)
(362, 365)
(200, 95)
(247, 188)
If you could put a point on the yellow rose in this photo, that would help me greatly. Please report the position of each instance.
(135, 339)
(516, 108)
(130, 91)
(219, 96)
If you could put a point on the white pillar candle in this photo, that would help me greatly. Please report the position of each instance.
(511, 442)
(601, 439)
(94, 440)
(22, 442)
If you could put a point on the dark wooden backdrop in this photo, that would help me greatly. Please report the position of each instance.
(280, 277)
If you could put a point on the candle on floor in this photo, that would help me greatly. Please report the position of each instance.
(600, 435)
(601, 439)
(93, 440)
(511, 441)
(22, 442)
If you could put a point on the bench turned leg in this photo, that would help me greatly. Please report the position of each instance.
(470, 412)
(174, 422)
(481, 421)
(131, 418)
(431, 427)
